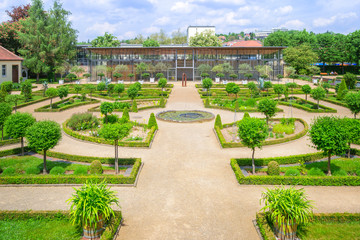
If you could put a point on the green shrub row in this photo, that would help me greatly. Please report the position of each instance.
(293, 180)
(9, 141)
(146, 143)
(31, 102)
(323, 110)
(108, 234)
(268, 234)
(46, 108)
(13, 151)
(335, 102)
(96, 109)
(225, 144)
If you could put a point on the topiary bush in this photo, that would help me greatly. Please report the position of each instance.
(273, 168)
(152, 121)
(218, 122)
(121, 105)
(32, 170)
(125, 116)
(96, 167)
(292, 172)
(57, 170)
(340, 173)
(162, 102)
(246, 115)
(81, 170)
(10, 171)
(82, 121)
(113, 118)
(315, 172)
(134, 106)
(207, 102)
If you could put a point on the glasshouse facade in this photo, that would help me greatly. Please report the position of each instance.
(173, 62)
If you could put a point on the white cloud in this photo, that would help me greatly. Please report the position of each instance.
(183, 7)
(101, 28)
(294, 24)
(323, 22)
(162, 21)
(151, 29)
(127, 35)
(284, 10)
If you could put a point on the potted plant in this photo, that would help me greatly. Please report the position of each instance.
(91, 208)
(286, 208)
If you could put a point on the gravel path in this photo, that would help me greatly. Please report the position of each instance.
(186, 189)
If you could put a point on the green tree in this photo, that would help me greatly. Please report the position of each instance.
(205, 39)
(5, 112)
(105, 109)
(252, 87)
(342, 91)
(77, 88)
(279, 89)
(328, 135)
(77, 70)
(63, 92)
(353, 46)
(162, 83)
(132, 91)
(151, 43)
(108, 40)
(7, 86)
(291, 85)
(227, 68)
(110, 89)
(278, 38)
(268, 108)
(14, 98)
(26, 90)
(141, 67)
(51, 93)
(207, 84)
(42, 136)
(90, 88)
(245, 68)
(16, 126)
(318, 93)
(119, 88)
(300, 57)
(218, 69)
(267, 85)
(352, 131)
(352, 99)
(117, 75)
(115, 132)
(306, 89)
(350, 80)
(252, 133)
(264, 70)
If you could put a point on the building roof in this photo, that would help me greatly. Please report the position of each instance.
(249, 43)
(6, 55)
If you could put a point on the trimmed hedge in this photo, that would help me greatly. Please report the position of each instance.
(323, 110)
(96, 109)
(239, 110)
(268, 234)
(335, 102)
(146, 143)
(13, 151)
(31, 102)
(292, 180)
(46, 108)
(225, 144)
(9, 141)
(108, 234)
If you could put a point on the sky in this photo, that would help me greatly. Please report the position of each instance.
(126, 19)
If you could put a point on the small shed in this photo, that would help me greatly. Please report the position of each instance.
(10, 66)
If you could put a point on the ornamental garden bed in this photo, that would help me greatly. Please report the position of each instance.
(323, 226)
(33, 100)
(350, 167)
(66, 104)
(141, 105)
(41, 225)
(306, 105)
(280, 132)
(245, 104)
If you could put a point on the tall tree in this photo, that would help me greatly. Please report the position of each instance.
(34, 39)
(151, 43)
(19, 12)
(108, 40)
(300, 57)
(205, 39)
(178, 37)
(353, 46)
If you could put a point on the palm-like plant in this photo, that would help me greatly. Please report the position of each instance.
(92, 203)
(287, 207)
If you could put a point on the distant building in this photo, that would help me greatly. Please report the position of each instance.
(239, 43)
(193, 30)
(262, 34)
(222, 38)
(10, 66)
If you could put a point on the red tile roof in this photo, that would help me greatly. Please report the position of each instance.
(249, 43)
(6, 55)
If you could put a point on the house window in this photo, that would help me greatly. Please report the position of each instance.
(3, 70)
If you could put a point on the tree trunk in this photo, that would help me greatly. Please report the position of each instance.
(305, 96)
(22, 146)
(15, 106)
(50, 103)
(37, 77)
(279, 97)
(116, 157)
(349, 150)
(355, 115)
(44, 169)
(253, 162)
(318, 103)
(329, 167)
(267, 121)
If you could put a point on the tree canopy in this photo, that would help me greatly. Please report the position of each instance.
(108, 40)
(151, 43)
(300, 58)
(205, 39)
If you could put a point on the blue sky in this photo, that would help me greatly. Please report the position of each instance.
(127, 18)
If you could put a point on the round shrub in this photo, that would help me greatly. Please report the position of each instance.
(357, 172)
(96, 167)
(316, 172)
(273, 168)
(292, 172)
(81, 170)
(113, 118)
(32, 170)
(9, 171)
(57, 170)
(340, 173)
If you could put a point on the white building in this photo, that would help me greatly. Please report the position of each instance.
(193, 30)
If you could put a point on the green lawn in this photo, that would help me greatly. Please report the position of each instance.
(22, 163)
(330, 231)
(38, 229)
(34, 98)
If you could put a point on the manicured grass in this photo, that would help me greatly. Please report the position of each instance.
(20, 164)
(330, 231)
(38, 229)
(283, 128)
(34, 98)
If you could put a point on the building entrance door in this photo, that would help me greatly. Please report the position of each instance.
(15, 73)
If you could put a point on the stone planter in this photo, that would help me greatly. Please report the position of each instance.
(61, 81)
(288, 234)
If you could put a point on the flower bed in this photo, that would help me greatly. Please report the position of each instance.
(308, 106)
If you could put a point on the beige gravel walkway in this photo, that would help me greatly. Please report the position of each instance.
(186, 189)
